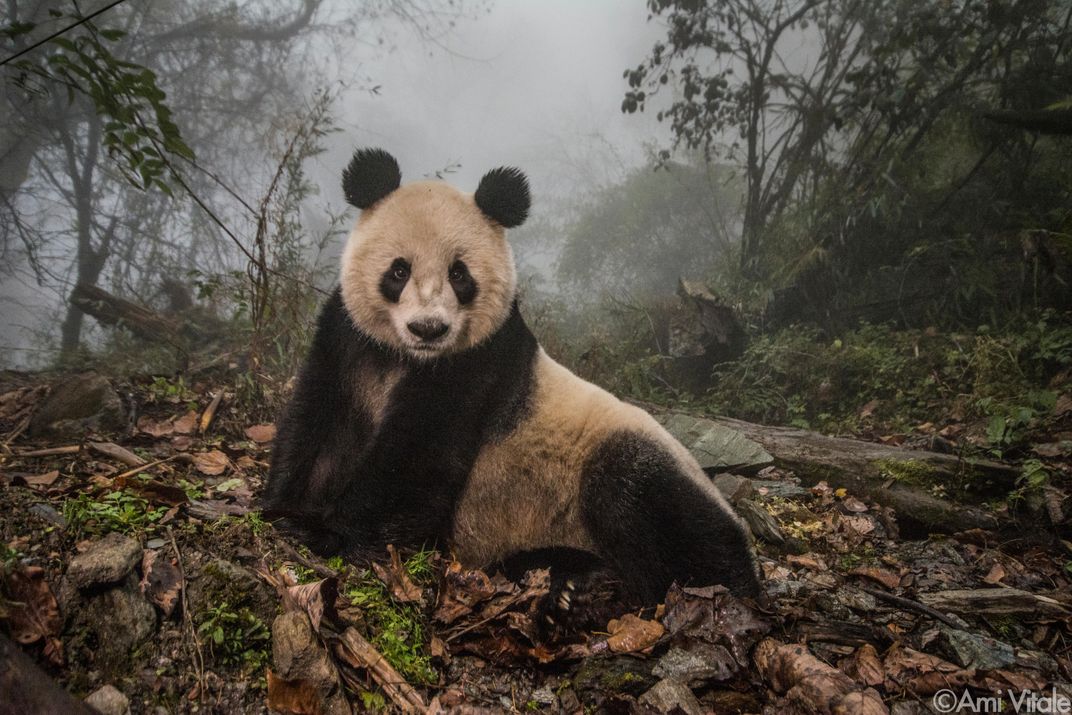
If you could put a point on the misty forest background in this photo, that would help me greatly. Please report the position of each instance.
(876, 194)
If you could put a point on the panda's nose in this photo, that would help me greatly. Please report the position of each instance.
(430, 329)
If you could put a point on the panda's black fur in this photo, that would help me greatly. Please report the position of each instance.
(352, 474)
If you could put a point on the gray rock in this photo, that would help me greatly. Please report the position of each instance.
(695, 667)
(223, 580)
(715, 447)
(668, 694)
(108, 701)
(733, 487)
(130, 619)
(78, 404)
(971, 650)
(107, 561)
(46, 512)
(856, 599)
(779, 488)
(298, 655)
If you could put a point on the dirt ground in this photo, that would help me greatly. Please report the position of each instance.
(133, 556)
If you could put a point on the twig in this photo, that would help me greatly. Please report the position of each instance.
(320, 569)
(359, 653)
(15, 433)
(142, 468)
(210, 412)
(910, 605)
(188, 620)
(51, 451)
(124, 455)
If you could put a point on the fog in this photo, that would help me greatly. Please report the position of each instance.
(536, 85)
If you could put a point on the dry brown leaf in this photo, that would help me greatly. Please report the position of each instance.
(182, 442)
(997, 573)
(397, 580)
(887, 578)
(186, 424)
(853, 504)
(293, 697)
(811, 683)
(162, 581)
(807, 561)
(314, 599)
(33, 613)
(921, 673)
(631, 634)
(261, 434)
(865, 666)
(211, 463)
(155, 428)
(36, 481)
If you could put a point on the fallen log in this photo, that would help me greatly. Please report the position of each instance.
(901, 478)
(119, 312)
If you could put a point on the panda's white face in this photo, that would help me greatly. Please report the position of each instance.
(426, 272)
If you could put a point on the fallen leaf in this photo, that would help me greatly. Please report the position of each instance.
(32, 611)
(865, 666)
(293, 697)
(261, 433)
(186, 424)
(397, 580)
(162, 581)
(160, 493)
(886, 578)
(869, 409)
(155, 428)
(36, 481)
(853, 504)
(211, 463)
(315, 599)
(632, 634)
(182, 442)
(809, 562)
(997, 572)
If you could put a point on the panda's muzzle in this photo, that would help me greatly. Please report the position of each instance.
(428, 330)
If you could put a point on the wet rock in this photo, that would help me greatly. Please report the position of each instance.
(971, 650)
(78, 404)
(670, 694)
(223, 580)
(620, 674)
(46, 512)
(109, 701)
(780, 488)
(694, 667)
(125, 620)
(733, 487)
(299, 658)
(109, 560)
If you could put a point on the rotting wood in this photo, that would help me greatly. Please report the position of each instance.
(995, 602)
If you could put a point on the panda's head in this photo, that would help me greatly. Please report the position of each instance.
(427, 269)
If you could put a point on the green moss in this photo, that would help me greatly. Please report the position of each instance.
(398, 630)
(910, 471)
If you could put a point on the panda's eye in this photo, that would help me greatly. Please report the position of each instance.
(458, 272)
(400, 273)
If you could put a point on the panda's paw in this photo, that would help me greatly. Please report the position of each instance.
(570, 607)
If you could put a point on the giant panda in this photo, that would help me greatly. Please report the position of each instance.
(426, 414)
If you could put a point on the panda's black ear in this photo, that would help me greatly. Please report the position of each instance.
(371, 175)
(503, 196)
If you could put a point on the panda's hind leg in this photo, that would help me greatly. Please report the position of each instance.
(654, 524)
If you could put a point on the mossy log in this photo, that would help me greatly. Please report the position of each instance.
(930, 491)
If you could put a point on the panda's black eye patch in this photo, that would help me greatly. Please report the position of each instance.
(462, 282)
(394, 280)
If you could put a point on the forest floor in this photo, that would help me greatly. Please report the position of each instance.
(137, 572)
